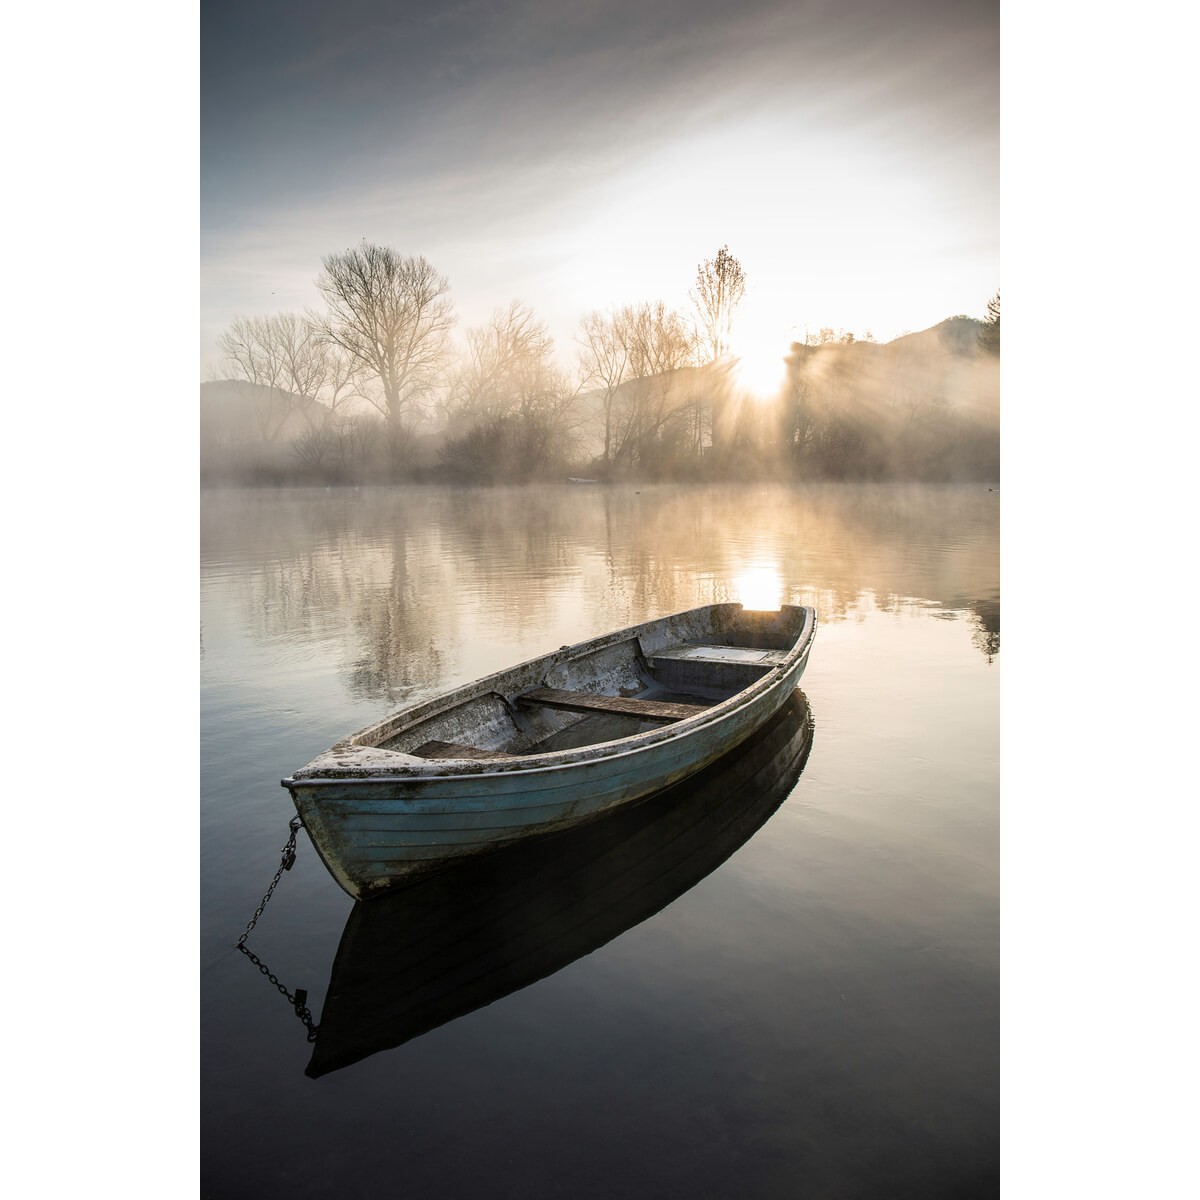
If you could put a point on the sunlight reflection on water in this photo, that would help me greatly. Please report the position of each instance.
(759, 587)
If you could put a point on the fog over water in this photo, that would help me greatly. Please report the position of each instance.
(818, 1014)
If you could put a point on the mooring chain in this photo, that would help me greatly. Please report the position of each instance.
(299, 1000)
(286, 864)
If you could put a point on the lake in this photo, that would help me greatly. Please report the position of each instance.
(782, 981)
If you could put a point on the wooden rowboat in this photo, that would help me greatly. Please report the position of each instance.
(483, 928)
(549, 744)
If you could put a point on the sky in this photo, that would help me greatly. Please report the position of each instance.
(585, 155)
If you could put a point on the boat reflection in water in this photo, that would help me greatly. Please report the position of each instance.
(454, 942)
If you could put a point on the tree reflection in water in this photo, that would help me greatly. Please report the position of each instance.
(400, 578)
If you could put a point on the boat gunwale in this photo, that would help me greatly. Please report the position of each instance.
(414, 770)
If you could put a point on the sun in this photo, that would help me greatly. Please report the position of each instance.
(760, 375)
(759, 368)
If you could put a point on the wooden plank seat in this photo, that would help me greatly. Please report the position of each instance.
(455, 750)
(756, 656)
(626, 706)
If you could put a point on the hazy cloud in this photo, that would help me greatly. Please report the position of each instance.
(490, 134)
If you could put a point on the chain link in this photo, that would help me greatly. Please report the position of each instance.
(299, 1000)
(288, 861)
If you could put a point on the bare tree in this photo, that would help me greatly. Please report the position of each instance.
(285, 358)
(506, 363)
(720, 286)
(303, 360)
(358, 435)
(252, 355)
(392, 316)
(341, 379)
(653, 416)
(798, 423)
(315, 445)
(604, 361)
(512, 407)
(318, 374)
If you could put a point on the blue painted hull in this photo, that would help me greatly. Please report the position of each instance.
(374, 830)
(429, 953)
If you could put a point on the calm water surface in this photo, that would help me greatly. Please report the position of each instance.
(814, 1012)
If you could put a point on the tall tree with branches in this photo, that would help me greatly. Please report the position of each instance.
(720, 286)
(392, 315)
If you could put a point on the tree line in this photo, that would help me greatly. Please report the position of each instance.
(373, 387)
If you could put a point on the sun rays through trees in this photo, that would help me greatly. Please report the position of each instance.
(379, 386)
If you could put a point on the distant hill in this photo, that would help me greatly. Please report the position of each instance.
(943, 365)
(234, 411)
(958, 335)
(955, 335)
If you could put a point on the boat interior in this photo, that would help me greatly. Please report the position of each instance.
(600, 691)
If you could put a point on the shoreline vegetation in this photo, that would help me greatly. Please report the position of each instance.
(374, 390)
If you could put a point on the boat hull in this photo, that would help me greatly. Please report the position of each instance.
(374, 832)
(486, 927)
